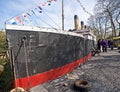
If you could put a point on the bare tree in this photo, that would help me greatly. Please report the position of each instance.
(100, 24)
(93, 26)
(118, 21)
(108, 8)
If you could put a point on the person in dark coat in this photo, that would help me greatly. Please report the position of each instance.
(99, 44)
(108, 43)
(104, 45)
(111, 44)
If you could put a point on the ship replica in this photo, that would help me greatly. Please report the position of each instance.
(38, 54)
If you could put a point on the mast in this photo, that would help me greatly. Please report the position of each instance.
(62, 15)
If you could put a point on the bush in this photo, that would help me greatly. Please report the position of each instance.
(6, 77)
(3, 42)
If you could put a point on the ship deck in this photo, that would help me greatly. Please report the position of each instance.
(103, 72)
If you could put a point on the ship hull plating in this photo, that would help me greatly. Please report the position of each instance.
(37, 57)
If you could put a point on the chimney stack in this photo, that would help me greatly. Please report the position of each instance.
(85, 27)
(76, 22)
(82, 25)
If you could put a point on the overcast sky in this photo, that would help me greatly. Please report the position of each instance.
(51, 12)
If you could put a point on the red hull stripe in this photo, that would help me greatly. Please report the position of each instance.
(49, 75)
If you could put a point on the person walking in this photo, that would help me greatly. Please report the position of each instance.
(108, 43)
(111, 44)
(99, 44)
(104, 45)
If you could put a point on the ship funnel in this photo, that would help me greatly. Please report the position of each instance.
(76, 22)
(85, 27)
(82, 25)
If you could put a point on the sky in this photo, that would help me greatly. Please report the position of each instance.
(50, 15)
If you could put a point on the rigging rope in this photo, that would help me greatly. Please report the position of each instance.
(26, 62)
(51, 19)
(44, 22)
(84, 8)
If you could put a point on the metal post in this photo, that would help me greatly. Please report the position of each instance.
(119, 29)
(62, 15)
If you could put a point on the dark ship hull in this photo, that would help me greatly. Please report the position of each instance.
(40, 55)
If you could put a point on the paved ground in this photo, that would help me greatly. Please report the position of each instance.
(102, 72)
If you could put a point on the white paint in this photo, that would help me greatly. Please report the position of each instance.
(51, 30)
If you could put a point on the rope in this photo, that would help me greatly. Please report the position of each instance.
(13, 62)
(84, 8)
(47, 16)
(44, 11)
(45, 22)
(52, 19)
(26, 62)
(14, 58)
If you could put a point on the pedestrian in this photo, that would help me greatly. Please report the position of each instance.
(111, 44)
(99, 44)
(108, 43)
(104, 45)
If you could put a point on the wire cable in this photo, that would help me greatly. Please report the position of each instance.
(45, 22)
(51, 19)
(84, 8)
(44, 12)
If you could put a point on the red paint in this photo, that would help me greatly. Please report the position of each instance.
(49, 75)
